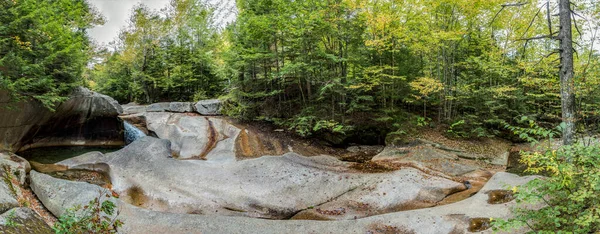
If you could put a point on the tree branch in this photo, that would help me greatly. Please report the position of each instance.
(531, 22)
(536, 38)
(575, 23)
(504, 6)
(546, 56)
(514, 4)
(548, 17)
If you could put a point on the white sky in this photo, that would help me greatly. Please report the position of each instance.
(117, 13)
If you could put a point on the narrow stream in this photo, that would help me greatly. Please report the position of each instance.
(132, 133)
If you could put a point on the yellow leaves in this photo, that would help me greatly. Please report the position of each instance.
(448, 35)
(426, 86)
(23, 45)
(514, 190)
(503, 91)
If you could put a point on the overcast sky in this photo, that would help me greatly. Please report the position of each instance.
(116, 13)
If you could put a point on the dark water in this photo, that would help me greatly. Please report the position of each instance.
(51, 155)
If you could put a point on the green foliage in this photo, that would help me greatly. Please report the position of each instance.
(423, 122)
(171, 55)
(44, 47)
(335, 66)
(95, 217)
(569, 195)
(454, 129)
(352, 61)
(10, 220)
(532, 132)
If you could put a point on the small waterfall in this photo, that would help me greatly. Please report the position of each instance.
(132, 133)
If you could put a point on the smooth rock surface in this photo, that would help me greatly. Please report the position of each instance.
(86, 118)
(209, 107)
(268, 187)
(23, 220)
(195, 137)
(57, 195)
(453, 218)
(427, 156)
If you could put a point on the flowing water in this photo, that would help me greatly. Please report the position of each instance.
(132, 133)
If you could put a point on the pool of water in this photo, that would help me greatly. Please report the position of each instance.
(50, 155)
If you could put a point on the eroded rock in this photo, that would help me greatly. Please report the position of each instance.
(267, 187)
(195, 137)
(86, 118)
(453, 218)
(427, 156)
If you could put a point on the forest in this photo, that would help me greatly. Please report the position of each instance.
(366, 71)
(343, 70)
(347, 73)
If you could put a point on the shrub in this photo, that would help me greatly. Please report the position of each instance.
(95, 217)
(570, 195)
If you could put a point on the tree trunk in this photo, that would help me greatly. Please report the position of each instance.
(567, 94)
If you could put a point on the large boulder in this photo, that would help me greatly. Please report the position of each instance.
(209, 107)
(144, 174)
(133, 108)
(195, 137)
(453, 218)
(158, 107)
(181, 107)
(86, 118)
(429, 157)
(23, 220)
(58, 196)
(13, 170)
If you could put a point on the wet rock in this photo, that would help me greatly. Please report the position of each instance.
(209, 107)
(500, 196)
(137, 120)
(366, 149)
(479, 224)
(23, 220)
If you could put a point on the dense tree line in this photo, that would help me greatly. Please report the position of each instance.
(337, 68)
(347, 66)
(44, 47)
(163, 55)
